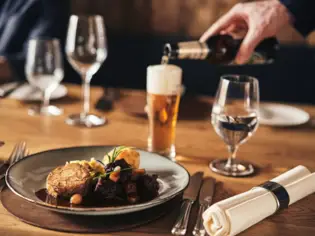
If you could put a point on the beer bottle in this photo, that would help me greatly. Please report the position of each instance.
(219, 49)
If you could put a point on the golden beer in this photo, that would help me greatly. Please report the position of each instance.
(163, 97)
(162, 113)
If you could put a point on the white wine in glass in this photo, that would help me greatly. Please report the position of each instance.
(235, 119)
(86, 49)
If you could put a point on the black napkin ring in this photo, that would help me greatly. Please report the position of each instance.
(280, 193)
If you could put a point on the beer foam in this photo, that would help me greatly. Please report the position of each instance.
(164, 79)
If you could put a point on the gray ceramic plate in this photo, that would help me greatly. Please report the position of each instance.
(28, 175)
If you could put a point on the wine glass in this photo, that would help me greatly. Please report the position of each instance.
(44, 70)
(86, 49)
(235, 119)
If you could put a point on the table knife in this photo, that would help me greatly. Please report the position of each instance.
(189, 197)
(205, 200)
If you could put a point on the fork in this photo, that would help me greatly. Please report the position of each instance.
(19, 151)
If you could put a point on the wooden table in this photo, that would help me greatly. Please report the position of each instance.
(273, 150)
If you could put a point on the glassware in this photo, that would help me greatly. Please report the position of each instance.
(235, 119)
(44, 70)
(163, 96)
(86, 49)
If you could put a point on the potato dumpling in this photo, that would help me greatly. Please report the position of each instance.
(130, 155)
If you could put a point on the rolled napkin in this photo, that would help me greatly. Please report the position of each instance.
(233, 215)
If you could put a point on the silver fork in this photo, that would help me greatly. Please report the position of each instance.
(19, 151)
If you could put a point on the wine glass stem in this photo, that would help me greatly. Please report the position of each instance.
(46, 96)
(230, 164)
(86, 95)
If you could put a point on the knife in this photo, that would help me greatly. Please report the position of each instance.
(205, 200)
(190, 196)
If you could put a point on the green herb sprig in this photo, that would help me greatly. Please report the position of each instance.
(116, 152)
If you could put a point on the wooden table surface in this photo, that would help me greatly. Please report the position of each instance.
(272, 150)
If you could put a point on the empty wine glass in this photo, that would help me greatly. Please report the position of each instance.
(86, 49)
(44, 70)
(235, 119)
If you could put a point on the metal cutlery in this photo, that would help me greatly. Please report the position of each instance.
(190, 196)
(205, 200)
(19, 151)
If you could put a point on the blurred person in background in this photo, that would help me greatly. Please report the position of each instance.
(263, 19)
(21, 20)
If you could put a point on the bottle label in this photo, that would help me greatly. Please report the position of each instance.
(192, 50)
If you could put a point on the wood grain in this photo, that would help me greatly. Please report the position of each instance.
(272, 150)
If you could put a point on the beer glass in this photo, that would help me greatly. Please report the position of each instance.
(163, 96)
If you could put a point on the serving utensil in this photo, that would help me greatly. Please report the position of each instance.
(205, 200)
(190, 196)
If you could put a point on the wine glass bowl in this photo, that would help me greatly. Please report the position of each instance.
(235, 119)
(86, 50)
(44, 71)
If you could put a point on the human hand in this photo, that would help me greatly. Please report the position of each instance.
(255, 20)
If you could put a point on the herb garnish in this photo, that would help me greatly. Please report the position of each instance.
(116, 152)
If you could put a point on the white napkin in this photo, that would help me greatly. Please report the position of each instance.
(233, 215)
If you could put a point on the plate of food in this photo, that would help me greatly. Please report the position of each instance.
(97, 180)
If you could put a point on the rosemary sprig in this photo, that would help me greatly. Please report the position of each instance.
(109, 158)
(108, 173)
(116, 152)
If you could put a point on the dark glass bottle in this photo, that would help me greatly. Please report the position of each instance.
(219, 49)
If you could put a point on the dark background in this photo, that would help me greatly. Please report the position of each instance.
(138, 29)
(289, 79)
